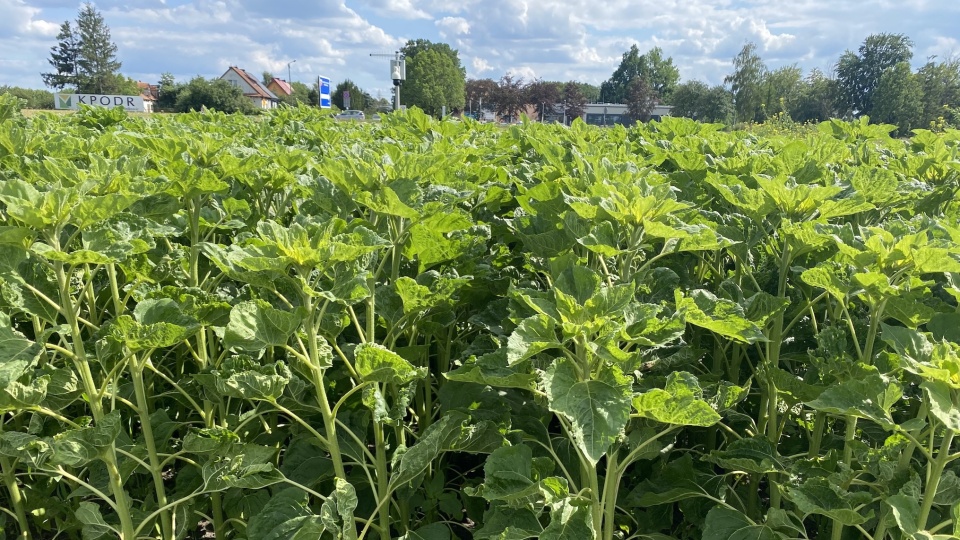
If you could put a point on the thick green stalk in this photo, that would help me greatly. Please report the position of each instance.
(108, 454)
(934, 473)
(611, 485)
(848, 438)
(16, 497)
(383, 479)
(156, 468)
(773, 362)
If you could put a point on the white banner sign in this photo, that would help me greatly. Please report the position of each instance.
(74, 101)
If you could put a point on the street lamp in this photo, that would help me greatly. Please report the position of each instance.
(288, 70)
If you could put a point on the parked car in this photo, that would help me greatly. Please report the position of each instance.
(350, 115)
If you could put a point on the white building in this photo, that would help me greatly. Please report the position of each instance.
(259, 95)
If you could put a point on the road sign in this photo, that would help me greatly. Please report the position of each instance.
(346, 99)
(323, 83)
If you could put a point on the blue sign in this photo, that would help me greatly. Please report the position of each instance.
(323, 83)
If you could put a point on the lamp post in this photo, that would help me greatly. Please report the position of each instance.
(288, 70)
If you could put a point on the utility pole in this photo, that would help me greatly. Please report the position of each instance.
(288, 70)
(398, 73)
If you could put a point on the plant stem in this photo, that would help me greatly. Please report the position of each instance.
(848, 438)
(108, 454)
(156, 469)
(16, 497)
(934, 473)
(611, 484)
(383, 479)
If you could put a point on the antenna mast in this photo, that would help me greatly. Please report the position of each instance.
(398, 73)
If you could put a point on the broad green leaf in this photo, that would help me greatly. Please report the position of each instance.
(725, 524)
(929, 260)
(948, 490)
(93, 210)
(844, 207)
(906, 510)
(508, 474)
(602, 240)
(260, 383)
(94, 526)
(677, 403)
(451, 432)
(644, 327)
(907, 342)
(336, 513)
(492, 369)
(819, 496)
(254, 326)
(569, 522)
(702, 308)
(16, 351)
(942, 404)
(828, 280)
(532, 336)
(245, 467)
(137, 337)
(377, 363)
(77, 447)
(909, 309)
(789, 385)
(945, 326)
(597, 410)
(753, 455)
(871, 397)
(577, 281)
(15, 396)
(504, 523)
(433, 531)
(286, 516)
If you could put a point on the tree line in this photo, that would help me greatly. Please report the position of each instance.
(876, 80)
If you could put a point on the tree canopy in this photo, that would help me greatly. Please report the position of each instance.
(217, 94)
(858, 74)
(85, 57)
(435, 77)
(659, 73)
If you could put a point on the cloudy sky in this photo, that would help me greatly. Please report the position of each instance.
(553, 39)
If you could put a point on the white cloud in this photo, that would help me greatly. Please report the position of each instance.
(452, 26)
(554, 39)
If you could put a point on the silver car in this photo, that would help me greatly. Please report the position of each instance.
(350, 114)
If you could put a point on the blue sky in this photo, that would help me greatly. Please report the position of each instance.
(551, 39)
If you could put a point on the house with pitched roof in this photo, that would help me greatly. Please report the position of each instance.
(280, 87)
(259, 95)
(150, 94)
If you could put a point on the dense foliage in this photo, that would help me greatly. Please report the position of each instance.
(288, 327)
(85, 57)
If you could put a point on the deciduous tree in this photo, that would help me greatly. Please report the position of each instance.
(357, 96)
(746, 82)
(574, 101)
(478, 91)
(898, 99)
(940, 82)
(509, 99)
(435, 77)
(641, 99)
(696, 99)
(544, 96)
(661, 75)
(858, 74)
(818, 99)
(217, 94)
